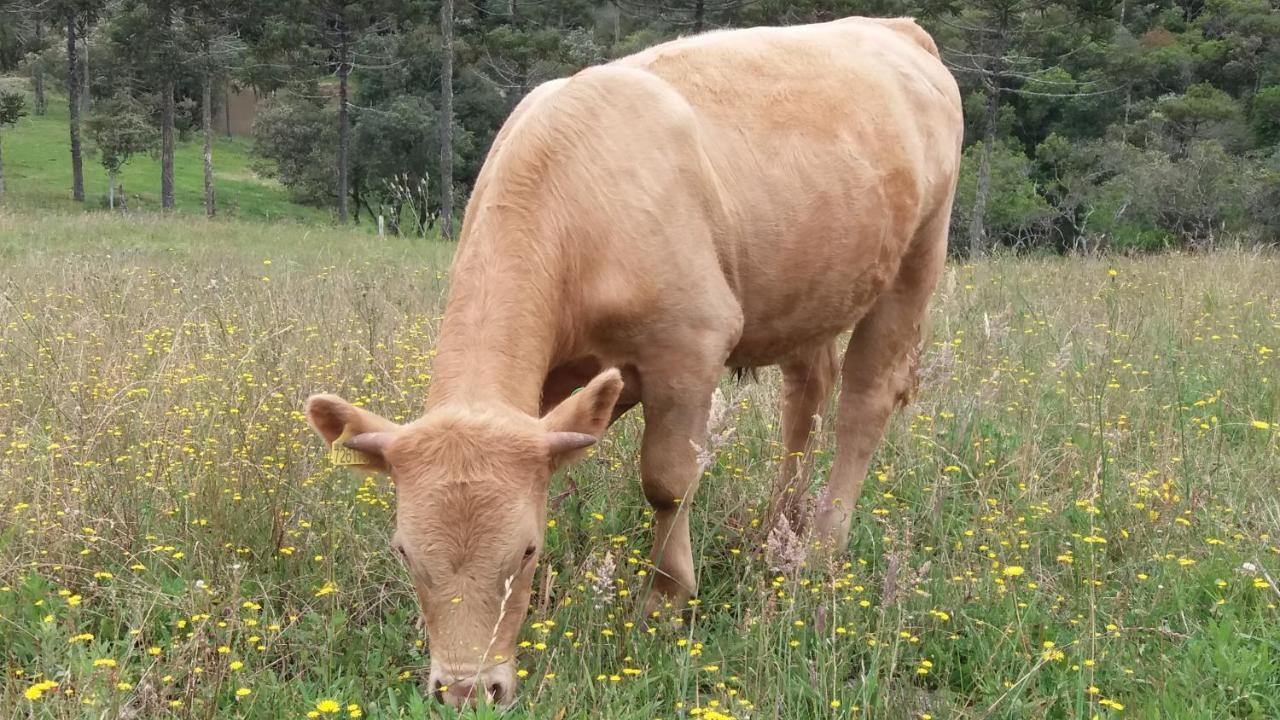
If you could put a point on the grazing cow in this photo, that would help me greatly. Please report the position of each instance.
(738, 198)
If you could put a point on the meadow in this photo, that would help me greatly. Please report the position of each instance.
(1077, 518)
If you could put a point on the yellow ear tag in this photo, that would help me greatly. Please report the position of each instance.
(340, 454)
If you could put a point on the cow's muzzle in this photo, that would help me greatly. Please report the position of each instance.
(494, 685)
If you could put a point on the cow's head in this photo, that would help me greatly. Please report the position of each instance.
(471, 499)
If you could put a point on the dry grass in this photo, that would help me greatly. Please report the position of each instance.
(1079, 512)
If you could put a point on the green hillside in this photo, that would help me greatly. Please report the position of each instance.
(37, 168)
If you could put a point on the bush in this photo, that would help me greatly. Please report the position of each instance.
(1198, 198)
(1016, 214)
(394, 148)
(1264, 121)
(297, 137)
(1262, 198)
(119, 128)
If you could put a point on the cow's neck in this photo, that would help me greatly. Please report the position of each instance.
(501, 326)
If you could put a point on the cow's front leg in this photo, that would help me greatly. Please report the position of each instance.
(675, 416)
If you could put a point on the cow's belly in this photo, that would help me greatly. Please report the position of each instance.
(816, 281)
(781, 320)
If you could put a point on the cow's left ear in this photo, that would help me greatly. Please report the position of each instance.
(360, 430)
(581, 419)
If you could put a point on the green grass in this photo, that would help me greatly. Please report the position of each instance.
(37, 166)
(1079, 513)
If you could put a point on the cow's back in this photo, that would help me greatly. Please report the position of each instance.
(775, 175)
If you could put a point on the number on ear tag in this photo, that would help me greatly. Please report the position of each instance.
(340, 454)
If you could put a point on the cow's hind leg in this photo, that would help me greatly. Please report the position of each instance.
(878, 374)
(807, 380)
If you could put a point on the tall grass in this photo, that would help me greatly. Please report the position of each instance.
(1078, 517)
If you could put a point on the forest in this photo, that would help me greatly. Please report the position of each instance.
(1090, 124)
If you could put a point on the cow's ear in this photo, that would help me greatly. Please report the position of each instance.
(580, 420)
(362, 437)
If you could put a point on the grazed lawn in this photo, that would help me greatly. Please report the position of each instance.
(37, 166)
(1078, 518)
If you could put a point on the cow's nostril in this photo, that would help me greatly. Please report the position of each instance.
(496, 692)
(436, 691)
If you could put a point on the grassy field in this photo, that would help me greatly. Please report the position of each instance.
(37, 166)
(1078, 518)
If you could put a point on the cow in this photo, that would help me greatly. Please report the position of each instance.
(739, 198)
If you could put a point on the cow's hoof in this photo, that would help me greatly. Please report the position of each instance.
(831, 534)
(661, 609)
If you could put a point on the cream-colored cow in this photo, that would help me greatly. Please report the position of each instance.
(735, 198)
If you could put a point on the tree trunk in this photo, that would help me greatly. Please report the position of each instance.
(446, 122)
(344, 124)
(226, 107)
(41, 104)
(166, 145)
(513, 11)
(356, 198)
(699, 15)
(85, 102)
(111, 189)
(206, 124)
(977, 225)
(37, 73)
(73, 110)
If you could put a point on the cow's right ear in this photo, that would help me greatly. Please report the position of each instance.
(366, 433)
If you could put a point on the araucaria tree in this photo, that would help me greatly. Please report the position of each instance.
(446, 120)
(999, 46)
(332, 33)
(211, 29)
(75, 16)
(147, 38)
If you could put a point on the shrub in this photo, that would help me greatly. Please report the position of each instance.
(297, 136)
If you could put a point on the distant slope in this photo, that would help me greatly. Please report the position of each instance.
(37, 168)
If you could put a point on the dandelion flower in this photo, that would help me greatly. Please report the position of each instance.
(35, 692)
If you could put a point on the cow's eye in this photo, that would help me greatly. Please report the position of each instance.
(529, 551)
(400, 551)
